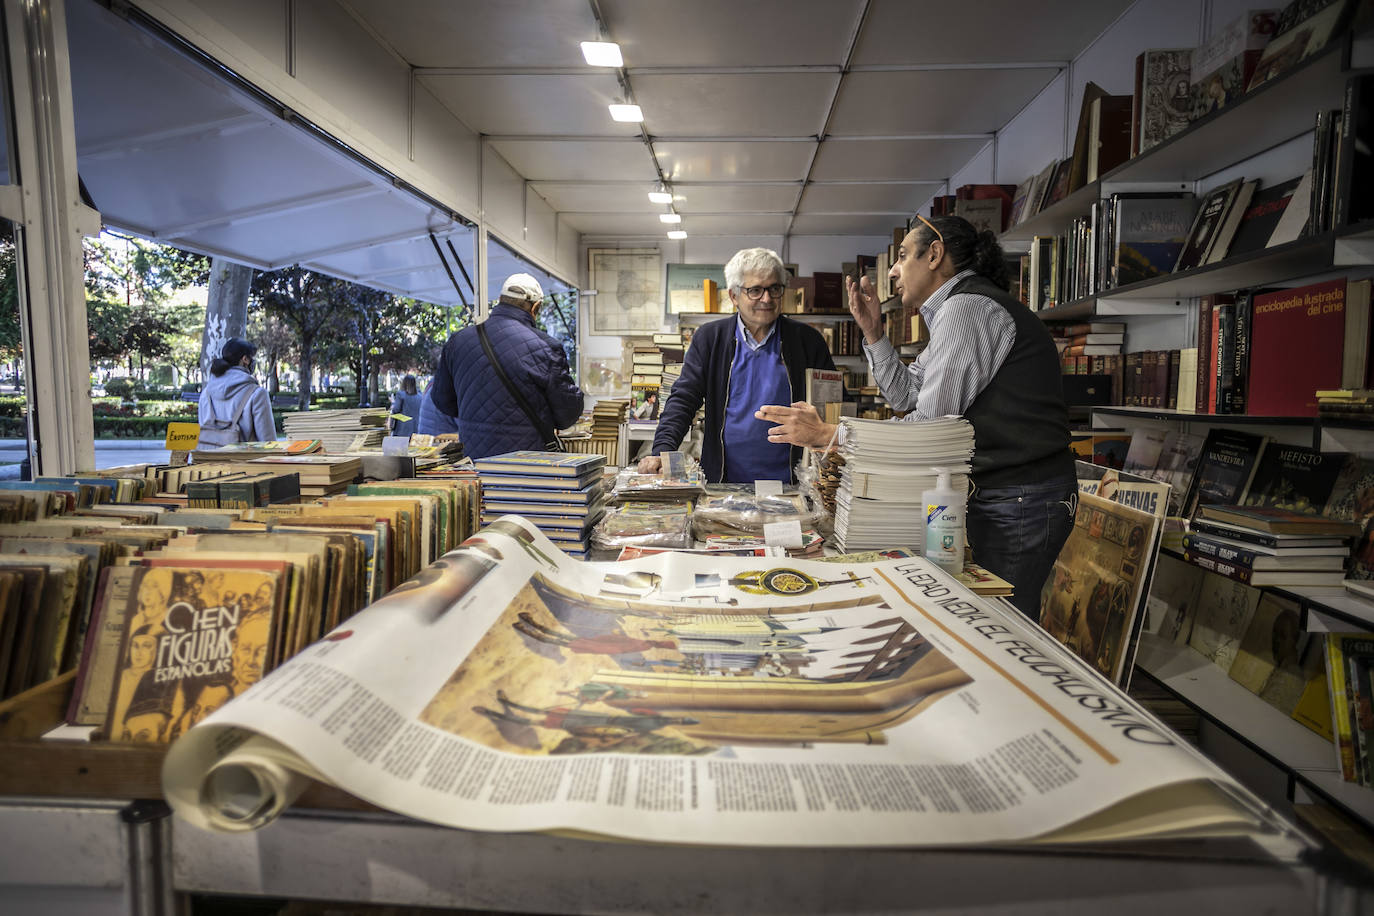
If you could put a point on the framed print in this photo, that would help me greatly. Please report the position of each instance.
(627, 283)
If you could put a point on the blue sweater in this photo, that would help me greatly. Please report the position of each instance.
(706, 380)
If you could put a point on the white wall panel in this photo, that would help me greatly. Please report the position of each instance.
(503, 196)
(338, 59)
(977, 171)
(569, 253)
(1034, 137)
(722, 248)
(445, 146)
(818, 252)
(541, 230)
(260, 23)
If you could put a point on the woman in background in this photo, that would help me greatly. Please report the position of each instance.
(233, 406)
(407, 403)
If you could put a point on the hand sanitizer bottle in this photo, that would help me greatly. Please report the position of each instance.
(944, 524)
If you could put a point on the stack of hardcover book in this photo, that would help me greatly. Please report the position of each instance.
(887, 467)
(561, 494)
(1261, 545)
(321, 475)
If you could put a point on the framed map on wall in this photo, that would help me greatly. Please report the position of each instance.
(628, 296)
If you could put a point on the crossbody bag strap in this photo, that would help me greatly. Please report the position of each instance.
(551, 443)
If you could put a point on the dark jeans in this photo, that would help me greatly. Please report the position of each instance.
(1017, 532)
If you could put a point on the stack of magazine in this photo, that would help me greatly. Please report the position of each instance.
(887, 468)
(341, 430)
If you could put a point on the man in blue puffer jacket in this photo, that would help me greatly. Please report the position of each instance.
(466, 386)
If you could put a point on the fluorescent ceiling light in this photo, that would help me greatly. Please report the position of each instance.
(660, 197)
(626, 113)
(678, 234)
(670, 217)
(602, 53)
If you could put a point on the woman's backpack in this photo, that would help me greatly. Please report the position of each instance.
(217, 432)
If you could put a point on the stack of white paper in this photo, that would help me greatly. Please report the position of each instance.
(888, 465)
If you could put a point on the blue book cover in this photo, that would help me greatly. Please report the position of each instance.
(554, 464)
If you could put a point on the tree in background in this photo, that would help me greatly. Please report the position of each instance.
(11, 332)
(276, 344)
(303, 301)
(558, 318)
(379, 331)
(128, 284)
(105, 324)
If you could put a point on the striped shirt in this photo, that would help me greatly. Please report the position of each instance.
(970, 337)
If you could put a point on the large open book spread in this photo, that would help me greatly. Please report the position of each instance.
(721, 700)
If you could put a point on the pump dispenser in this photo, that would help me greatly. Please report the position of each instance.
(944, 524)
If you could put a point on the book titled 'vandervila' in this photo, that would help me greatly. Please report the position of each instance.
(1296, 347)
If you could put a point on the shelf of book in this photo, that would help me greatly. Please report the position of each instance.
(1300, 258)
(1055, 219)
(1285, 742)
(891, 304)
(1225, 419)
(1280, 110)
(1291, 261)
(1274, 113)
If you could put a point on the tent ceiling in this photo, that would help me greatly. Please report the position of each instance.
(208, 168)
(769, 117)
(751, 109)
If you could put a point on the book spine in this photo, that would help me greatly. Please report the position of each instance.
(1226, 350)
(1175, 363)
(1214, 363)
(1321, 139)
(1253, 537)
(1204, 547)
(1204, 352)
(1241, 358)
(1220, 567)
(1340, 710)
(1345, 155)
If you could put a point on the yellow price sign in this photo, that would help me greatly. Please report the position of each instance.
(182, 437)
(400, 418)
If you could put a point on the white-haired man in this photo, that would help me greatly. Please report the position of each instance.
(468, 387)
(735, 366)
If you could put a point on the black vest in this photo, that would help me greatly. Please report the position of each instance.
(1020, 423)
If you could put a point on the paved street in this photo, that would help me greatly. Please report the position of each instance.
(108, 453)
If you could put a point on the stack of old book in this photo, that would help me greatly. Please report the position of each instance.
(339, 430)
(887, 468)
(607, 416)
(559, 493)
(320, 475)
(1261, 545)
(244, 487)
(1349, 404)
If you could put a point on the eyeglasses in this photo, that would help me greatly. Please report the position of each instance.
(937, 232)
(755, 293)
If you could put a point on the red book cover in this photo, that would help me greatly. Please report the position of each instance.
(1213, 348)
(1297, 337)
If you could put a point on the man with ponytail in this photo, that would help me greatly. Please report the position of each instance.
(992, 361)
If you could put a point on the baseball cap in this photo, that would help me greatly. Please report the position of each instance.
(522, 286)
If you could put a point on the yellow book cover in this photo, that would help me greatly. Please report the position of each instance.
(191, 641)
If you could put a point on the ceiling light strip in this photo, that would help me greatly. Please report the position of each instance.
(829, 116)
(623, 77)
